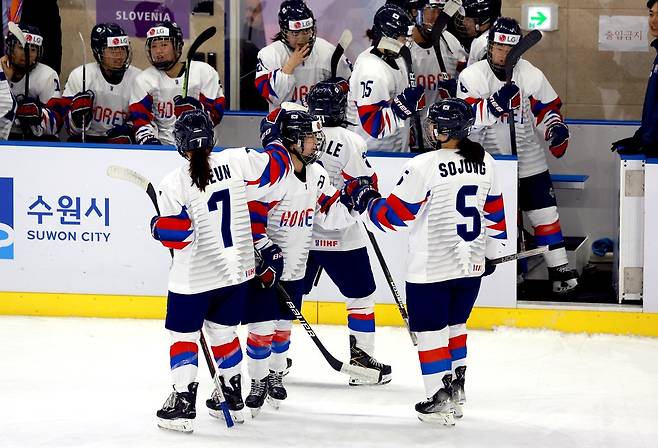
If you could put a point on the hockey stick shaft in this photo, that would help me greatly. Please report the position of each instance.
(201, 38)
(84, 82)
(406, 56)
(449, 9)
(339, 366)
(391, 284)
(521, 255)
(343, 42)
(118, 172)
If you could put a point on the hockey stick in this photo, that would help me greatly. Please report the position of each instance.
(122, 173)
(84, 82)
(521, 255)
(526, 42)
(344, 42)
(16, 31)
(391, 284)
(201, 38)
(449, 9)
(406, 57)
(363, 373)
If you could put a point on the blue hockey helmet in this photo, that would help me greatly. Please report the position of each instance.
(391, 21)
(504, 31)
(295, 16)
(295, 126)
(33, 39)
(453, 117)
(165, 31)
(193, 131)
(328, 100)
(110, 35)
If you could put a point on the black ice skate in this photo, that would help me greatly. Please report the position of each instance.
(179, 411)
(360, 358)
(276, 392)
(564, 279)
(257, 395)
(458, 395)
(438, 408)
(233, 396)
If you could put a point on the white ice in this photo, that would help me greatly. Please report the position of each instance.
(97, 383)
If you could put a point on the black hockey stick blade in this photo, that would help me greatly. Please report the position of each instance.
(200, 39)
(527, 42)
(343, 42)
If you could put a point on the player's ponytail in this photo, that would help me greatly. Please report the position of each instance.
(200, 168)
(471, 151)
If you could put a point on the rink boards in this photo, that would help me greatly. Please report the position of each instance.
(75, 242)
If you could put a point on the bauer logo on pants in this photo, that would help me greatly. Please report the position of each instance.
(6, 218)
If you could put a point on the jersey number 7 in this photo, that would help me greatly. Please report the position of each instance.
(224, 197)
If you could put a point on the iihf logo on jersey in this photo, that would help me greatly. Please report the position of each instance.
(6, 218)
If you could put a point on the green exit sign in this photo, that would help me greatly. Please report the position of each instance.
(539, 17)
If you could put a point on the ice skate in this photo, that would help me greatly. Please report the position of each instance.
(458, 395)
(564, 279)
(439, 407)
(257, 395)
(276, 392)
(233, 396)
(360, 358)
(179, 411)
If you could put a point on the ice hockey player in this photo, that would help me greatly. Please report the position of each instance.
(380, 101)
(450, 202)
(297, 59)
(206, 221)
(7, 106)
(103, 104)
(538, 109)
(474, 26)
(38, 110)
(157, 98)
(344, 159)
(309, 200)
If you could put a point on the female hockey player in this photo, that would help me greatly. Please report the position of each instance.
(206, 221)
(450, 202)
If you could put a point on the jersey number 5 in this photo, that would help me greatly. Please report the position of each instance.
(224, 197)
(468, 211)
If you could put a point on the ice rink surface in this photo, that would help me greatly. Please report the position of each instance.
(97, 383)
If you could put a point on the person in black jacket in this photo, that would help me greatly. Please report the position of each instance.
(645, 139)
(44, 14)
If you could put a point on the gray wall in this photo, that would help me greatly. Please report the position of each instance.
(582, 212)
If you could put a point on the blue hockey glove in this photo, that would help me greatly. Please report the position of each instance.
(121, 135)
(506, 99)
(358, 192)
(186, 104)
(447, 89)
(629, 145)
(270, 266)
(558, 135)
(269, 127)
(411, 100)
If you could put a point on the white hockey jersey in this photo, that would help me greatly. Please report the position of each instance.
(152, 100)
(221, 252)
(276, 87)
(344, 158)
(110, 101)
(454, 212)
(7, 107)
(478, 50)
(373, 85)
(540, 106)
(306, 204)
(426, 66)
(44, 86)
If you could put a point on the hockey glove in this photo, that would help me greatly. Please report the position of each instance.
(174, 232)
(182, 105)
(447, 89)
(82, 106)
(411, 100)
(489, 268)
(28, 110)
(358, 192)
(121, 135)
(269, 127)
(506, 99)
(270, 266)
(630, 145)
(558, 135)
